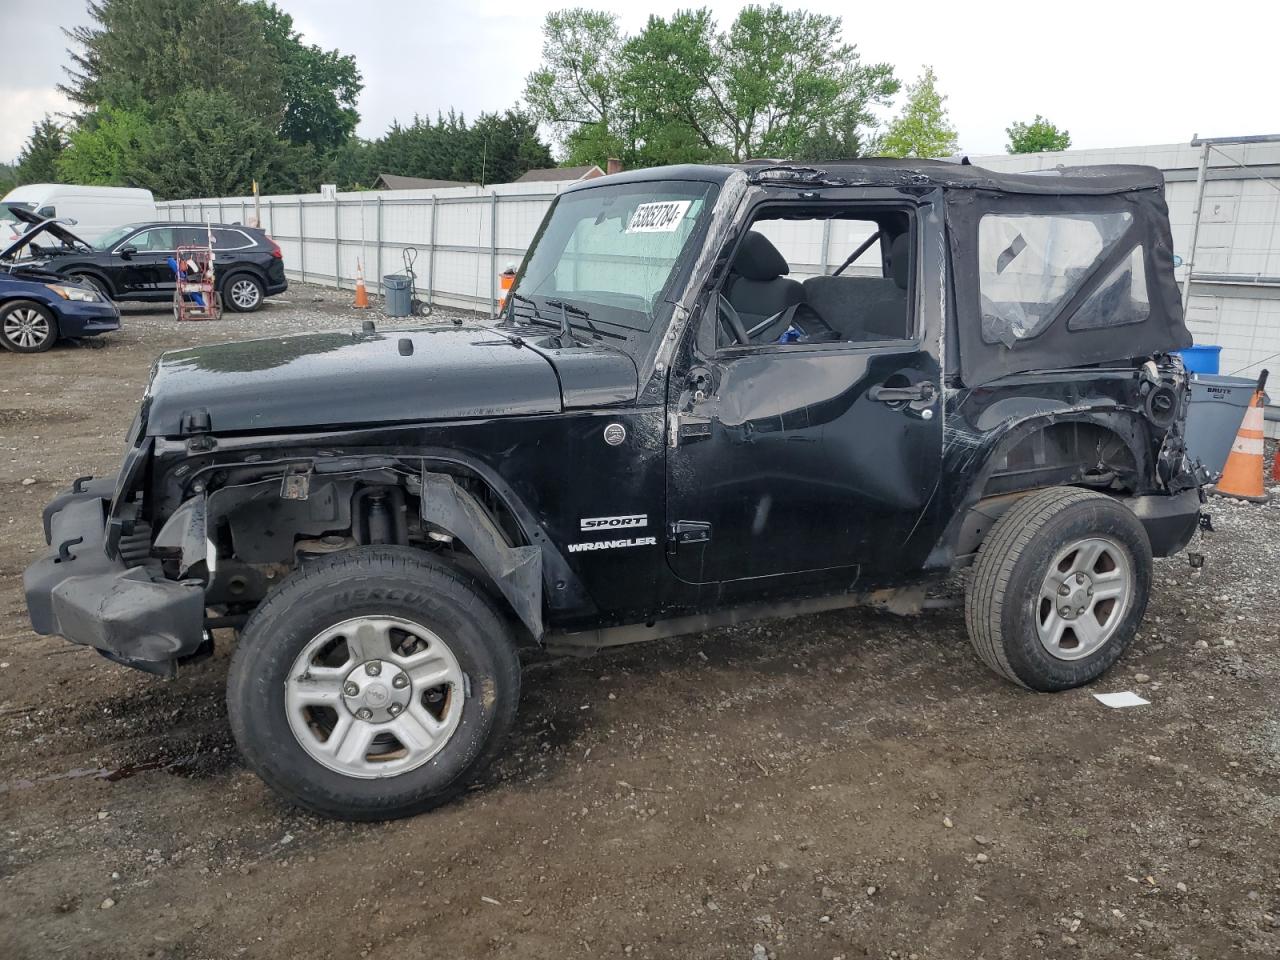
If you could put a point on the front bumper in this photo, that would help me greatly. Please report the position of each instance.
(79, 319)
(1170, 521)
(132, 615)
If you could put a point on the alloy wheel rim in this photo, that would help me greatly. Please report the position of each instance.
(1084, 598)
(374, 697)
(26, 327)
(245, 293)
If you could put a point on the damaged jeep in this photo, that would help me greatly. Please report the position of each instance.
(713, 393)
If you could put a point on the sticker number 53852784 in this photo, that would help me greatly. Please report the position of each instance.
(660, 217)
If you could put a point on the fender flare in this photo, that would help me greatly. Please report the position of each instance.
(517, 571)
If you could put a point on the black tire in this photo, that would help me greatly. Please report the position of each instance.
(252, 297)
(1004, 606)
(94, 281)
(27, 327)
(375, 582)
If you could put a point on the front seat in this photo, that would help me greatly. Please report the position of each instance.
(758, 285)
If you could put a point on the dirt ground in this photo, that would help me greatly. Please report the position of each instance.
(844, 785)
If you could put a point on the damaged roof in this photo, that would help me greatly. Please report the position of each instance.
(900, 172)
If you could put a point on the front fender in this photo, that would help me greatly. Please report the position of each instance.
(517, 571)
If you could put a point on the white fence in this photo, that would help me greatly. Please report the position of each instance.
(461, 237)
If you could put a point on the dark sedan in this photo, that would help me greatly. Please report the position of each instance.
(135, 261)
(35, 311)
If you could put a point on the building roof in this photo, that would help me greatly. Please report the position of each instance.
(560, 174)
(394, 181)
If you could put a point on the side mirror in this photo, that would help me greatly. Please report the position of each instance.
(128, 252)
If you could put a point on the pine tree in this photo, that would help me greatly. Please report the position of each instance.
(38, 162)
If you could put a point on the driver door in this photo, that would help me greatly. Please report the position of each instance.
(147, 270)
(804, 457)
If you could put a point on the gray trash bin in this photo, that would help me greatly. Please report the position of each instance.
(1217, 408)
(398, 291)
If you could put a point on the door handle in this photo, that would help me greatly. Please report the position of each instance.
(924, 390)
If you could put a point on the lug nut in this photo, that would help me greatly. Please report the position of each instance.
(373, 668)
(400, 681)
(1079, 578)
(1063, 590)
(1089, 592)
(364, 713)
(394, 709)
(1080, 612)
(1065, 611)
(351, 689)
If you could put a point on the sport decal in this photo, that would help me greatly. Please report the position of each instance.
(615, 523)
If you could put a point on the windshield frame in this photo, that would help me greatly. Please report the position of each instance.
(633, 337)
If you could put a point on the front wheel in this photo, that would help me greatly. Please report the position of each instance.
(373, 684)
(1059, 588)
(27, 327)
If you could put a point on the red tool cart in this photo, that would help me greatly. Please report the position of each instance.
(194, 296)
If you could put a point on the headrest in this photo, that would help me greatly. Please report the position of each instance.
(758, 259)
(900, 259)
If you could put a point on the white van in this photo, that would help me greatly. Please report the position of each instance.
(95, 210)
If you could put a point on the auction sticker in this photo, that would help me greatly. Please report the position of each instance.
(661, 217)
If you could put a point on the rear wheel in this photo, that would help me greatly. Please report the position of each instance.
(1059, 588)
(27, 326)
(374, 684)
(243, 292)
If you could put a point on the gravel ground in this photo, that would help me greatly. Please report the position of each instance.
(844, 785)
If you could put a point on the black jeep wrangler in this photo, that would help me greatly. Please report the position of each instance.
(671, 425)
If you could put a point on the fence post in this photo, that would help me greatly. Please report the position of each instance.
(826, 245)
(302, 243)
(271, 217)
(493, 251)
(377, 250)
(431, 254)
(337, 245)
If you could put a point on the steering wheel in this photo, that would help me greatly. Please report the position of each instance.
(732, 322)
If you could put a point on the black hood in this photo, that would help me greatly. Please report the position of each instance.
(320, 380)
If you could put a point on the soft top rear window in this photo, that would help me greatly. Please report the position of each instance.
(1030, 265)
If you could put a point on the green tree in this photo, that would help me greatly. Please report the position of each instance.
(144, 54)
(577, 90)
(1036, 136)
(320, 87)
(775, 83)
(106, 149)
(196, 99)
(923, 128)
(38, 161)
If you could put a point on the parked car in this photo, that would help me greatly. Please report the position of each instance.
(665, 431)
(91, 210)
(39, 308)
(133, 262)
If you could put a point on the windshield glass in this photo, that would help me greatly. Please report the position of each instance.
(613, 251)
(112, 237)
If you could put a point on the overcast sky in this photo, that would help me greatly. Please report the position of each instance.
(1119, 73)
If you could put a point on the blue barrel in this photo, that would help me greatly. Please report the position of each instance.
(397, 289)
(1201, 358)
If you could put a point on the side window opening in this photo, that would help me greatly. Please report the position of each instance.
(819, 277)
(1119, 300)
(1030, 265)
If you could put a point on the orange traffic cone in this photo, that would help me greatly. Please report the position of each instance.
(1242, 476)
(362, 295)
